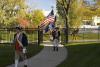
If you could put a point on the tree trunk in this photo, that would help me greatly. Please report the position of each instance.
(66, 30)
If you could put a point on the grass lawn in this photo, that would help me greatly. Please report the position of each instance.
(87, 36)
(7, 53)
(82, 55)
(8, 36)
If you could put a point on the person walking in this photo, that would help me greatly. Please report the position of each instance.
(20, 41)
(56, 36)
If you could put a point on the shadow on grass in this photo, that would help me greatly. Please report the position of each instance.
(7, 53)
(82, 55)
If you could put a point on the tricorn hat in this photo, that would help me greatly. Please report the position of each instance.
(19, 28)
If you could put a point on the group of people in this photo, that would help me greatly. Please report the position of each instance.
(20, 41)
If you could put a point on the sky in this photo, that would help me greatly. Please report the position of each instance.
(45, 5)
(42, 4)
(90, 1)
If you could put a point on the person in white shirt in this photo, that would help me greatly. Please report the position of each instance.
(56, 36)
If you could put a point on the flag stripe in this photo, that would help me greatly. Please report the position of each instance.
(50, 19)
(47, 21)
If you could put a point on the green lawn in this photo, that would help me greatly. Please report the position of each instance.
(4, 35)
(9, 36)
(32, 37)
(46, 37)
(87, 36)
(82, 55)
(7, 53)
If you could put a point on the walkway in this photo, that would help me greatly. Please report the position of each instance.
(47, 57)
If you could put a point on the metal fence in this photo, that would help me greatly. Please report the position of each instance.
(84, 35)
(81, 35)
(37, 36)
(7, 35)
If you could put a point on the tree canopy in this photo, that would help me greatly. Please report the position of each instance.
(35, 17)
(14, 12)
(77, 10)
(38, 17)
(9, 10)
(71, 10)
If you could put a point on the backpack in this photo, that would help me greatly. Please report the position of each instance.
(24, 40)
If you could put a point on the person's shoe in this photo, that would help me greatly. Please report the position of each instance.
(54, 48)
(25, 65)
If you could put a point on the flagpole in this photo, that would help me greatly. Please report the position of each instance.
(52, 7)
(54, 12)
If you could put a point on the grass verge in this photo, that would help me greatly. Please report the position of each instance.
(82, 55)
(7, 53)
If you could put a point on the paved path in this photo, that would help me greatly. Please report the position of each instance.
(47, 57)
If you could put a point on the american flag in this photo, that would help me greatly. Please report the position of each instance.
(49, 19)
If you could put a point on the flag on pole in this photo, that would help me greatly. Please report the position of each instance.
(50, 26)
(48, 22)
(46, 29)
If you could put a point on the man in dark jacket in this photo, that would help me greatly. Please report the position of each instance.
(56, 36)
(20, 42)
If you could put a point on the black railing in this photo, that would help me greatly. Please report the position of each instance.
(77, 35)
(37, 36)
(84, 35)
(7, 35)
